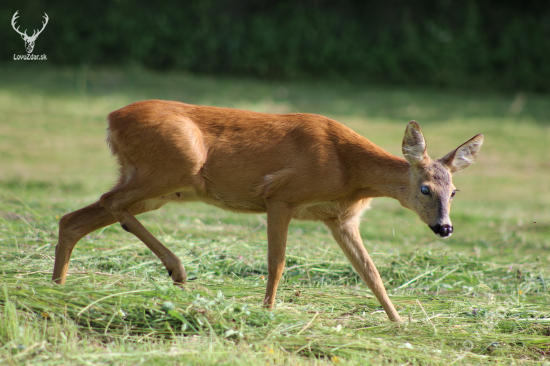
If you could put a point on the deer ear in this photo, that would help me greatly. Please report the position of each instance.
(464, 155)
(414, 145)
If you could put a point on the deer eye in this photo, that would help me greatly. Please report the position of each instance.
(454, 192)
(425, 190)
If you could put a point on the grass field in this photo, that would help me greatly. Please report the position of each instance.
(479, 297)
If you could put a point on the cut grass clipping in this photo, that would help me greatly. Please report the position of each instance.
(480, 297)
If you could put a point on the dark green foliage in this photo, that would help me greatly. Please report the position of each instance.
(489, 44)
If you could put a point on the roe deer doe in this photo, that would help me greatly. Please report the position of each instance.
(301, 166)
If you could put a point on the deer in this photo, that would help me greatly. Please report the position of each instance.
(290, 166)
(29, 41)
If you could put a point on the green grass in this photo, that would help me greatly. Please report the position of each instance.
(480, 297)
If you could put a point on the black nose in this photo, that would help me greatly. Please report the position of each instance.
(442, 230)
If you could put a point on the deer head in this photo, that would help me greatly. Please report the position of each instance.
(431, 185)
(29, 41)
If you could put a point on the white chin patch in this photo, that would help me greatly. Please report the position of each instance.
(443, 237)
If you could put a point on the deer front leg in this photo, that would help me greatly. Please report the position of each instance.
(347, 235)
(278, 219)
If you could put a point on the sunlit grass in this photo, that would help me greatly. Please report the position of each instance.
(479, 297)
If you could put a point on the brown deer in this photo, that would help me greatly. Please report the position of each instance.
(301, 166)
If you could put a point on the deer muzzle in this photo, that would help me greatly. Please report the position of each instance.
(442, 231)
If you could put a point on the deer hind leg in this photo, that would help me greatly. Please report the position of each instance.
(75, 225)
(119, 203)
(348, 237)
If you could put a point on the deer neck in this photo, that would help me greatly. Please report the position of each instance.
(377, 173)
